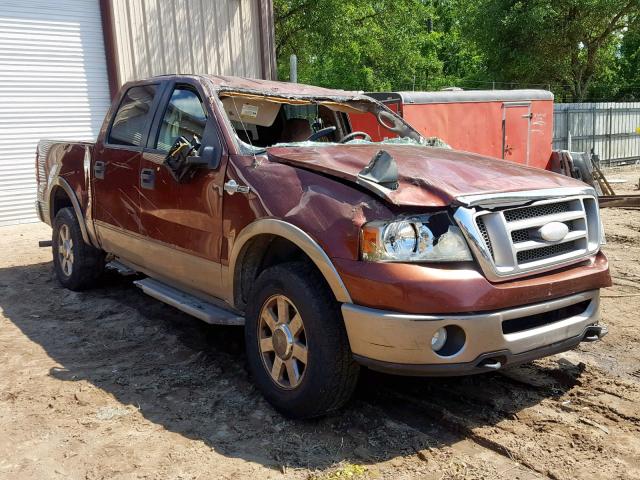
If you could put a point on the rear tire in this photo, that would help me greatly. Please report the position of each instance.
(77, 264)
(306, 368)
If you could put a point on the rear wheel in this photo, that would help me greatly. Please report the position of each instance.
(297, 347)
(77, 264)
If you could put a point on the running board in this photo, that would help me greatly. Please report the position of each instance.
(121, 268)
(195, 307)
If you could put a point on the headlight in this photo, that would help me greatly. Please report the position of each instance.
(400, 238)
(424, 238)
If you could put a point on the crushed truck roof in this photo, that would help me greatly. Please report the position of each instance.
(275, 88)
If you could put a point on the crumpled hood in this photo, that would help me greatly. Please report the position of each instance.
(428, 177)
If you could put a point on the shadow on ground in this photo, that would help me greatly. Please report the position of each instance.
(190, 378)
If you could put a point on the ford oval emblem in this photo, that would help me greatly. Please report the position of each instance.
(553, 231)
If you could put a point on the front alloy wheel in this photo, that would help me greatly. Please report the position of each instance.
(297, 347)
(282, 341)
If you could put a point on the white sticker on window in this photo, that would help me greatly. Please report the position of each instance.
(249, 110)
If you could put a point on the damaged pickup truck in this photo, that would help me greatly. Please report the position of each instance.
(247, 202)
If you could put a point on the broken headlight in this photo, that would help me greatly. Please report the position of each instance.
(423, 238)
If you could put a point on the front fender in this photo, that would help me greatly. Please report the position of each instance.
(280, 228)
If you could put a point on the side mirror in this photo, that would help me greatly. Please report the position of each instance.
(388, 121)
(391, 122)
(206, 158)
(183, 157)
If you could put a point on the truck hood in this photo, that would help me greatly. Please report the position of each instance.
(427, 177)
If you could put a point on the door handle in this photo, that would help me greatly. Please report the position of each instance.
(232, 187)
(98, 170)
(147, 178)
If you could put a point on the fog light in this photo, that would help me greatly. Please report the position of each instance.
(439, 339)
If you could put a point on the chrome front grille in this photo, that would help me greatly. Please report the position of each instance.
(530, 233)
(507, 240)
(520, 236)
(541, 253)
(485, 234)
(524, 213)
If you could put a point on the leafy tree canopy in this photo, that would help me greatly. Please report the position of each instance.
(577, 47)
(361, 44)
(569, 44)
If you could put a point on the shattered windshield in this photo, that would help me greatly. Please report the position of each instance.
(260, 122)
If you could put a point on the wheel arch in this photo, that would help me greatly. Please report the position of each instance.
(252, 246)
(62, 195)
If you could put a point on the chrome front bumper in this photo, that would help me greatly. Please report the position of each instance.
(401, 343)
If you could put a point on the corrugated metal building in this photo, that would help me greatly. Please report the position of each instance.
(61, 61)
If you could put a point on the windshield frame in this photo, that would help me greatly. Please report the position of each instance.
(365, 103)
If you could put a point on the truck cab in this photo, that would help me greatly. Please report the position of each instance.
(255, 203)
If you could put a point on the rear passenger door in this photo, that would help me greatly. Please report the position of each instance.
(116, 166)
(183, 219)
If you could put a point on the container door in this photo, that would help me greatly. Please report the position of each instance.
(516, 126)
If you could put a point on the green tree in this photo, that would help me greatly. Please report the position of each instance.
(358, 44)
(568, 43)
(462, 63)
(628, 79)
(581, 48)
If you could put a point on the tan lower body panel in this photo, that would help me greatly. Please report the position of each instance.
(406, 338)
(179, 268)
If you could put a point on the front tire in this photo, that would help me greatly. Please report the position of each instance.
(297, 347)
(77, 264)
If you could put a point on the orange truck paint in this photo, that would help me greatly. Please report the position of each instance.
(316, 189)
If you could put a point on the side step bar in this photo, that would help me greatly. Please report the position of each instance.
(121, 268)
(195, 307)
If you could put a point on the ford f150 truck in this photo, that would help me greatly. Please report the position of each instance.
(253, 203)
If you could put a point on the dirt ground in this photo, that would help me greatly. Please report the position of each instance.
(113, 384)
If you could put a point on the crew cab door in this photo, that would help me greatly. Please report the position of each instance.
(115, 170)
(182, 219)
